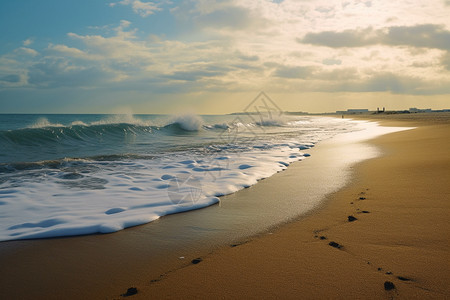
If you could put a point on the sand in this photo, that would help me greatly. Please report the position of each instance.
(401, 201)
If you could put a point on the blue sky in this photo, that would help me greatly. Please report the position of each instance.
(104, 56)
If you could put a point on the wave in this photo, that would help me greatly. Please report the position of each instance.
(38, 136)
(110, 120)
(218, 126)
(188, 122)
(116, 127)
(277, 121)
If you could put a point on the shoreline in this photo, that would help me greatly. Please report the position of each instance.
(400, 236)
(121, 264)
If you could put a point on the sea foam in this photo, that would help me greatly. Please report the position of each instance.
(68, 202)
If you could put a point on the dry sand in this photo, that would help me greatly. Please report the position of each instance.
(401, 201)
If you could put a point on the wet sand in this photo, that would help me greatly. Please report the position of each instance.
(396, 248)
(402, 229)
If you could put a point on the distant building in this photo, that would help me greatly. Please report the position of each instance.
(418, 110)
(353, 111)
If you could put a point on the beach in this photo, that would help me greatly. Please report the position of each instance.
(388, 224)
(265, 149)
(401, 233)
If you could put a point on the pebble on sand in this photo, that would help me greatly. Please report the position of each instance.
(130, 292)
(351, 218)
(196, 261)
(335, 245)
(389, 285)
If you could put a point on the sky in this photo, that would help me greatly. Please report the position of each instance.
(215, 56)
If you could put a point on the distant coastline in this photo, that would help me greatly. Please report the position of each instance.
(356, 112)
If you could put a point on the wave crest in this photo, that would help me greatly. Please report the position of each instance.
(44, 123)
(188, 122)
(273, 121)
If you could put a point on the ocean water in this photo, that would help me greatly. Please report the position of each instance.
(63, 175)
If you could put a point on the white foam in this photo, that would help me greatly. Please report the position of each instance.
(60, 204)
(274, 120)
(78, 123)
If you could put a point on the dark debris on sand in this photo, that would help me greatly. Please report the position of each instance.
(351, 218)
(196, 261)
(335, 245)
(403, 278)
(388, 285)
(130, 292)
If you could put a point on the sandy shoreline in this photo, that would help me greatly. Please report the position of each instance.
(401, 202)
(397, 230)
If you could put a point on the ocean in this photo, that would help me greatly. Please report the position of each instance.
(67, 174)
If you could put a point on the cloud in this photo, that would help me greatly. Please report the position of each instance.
(426, 36)
(12, 78)
(342, 74)
(123, 60)
(27, 42)
(389, 82)
(231, 17)
(225, 18)
(297, 72)
(400, 84)
(445, 61)
(58, 72)
(67, 51)
(121, 47)
(397, 84)
(26, 51)
(422, 36)
(346, 38)
(144, 9)
(331, 61)
(232, 45)
(247, 57)
(192, 75)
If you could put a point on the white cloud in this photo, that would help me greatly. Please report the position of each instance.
(26, 51)
(27, 42)
(67, 51)
(233, 45)
(144, 9)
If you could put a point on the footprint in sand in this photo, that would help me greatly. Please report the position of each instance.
(351, 218)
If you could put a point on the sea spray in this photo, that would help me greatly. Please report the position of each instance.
(44, 123)
(275, 120)
(123, 119)
(189, 122)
